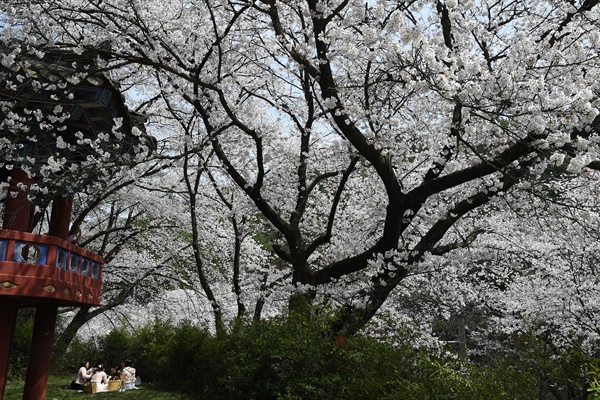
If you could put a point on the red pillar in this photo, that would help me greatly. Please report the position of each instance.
(60, 217)
(17, 209)
(8, 316)
(41, 352)
(17, 216)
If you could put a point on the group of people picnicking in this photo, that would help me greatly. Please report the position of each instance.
(125, 373)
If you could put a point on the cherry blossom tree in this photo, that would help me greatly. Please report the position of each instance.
(535, 274)
(124, 221)
(217, 221)
(365, 133)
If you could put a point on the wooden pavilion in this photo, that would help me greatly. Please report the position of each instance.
(46, 271)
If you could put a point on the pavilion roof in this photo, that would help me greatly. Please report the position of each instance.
(63, 104)
(74, 83)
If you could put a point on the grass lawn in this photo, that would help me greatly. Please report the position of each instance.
(55, 391)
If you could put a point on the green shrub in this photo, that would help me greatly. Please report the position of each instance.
(274, 359)
(19, 355)
(192, 361)
(594, 380)
(149, 348)
(78, 351)
(531, 367)
(297, 359)
(115, 347)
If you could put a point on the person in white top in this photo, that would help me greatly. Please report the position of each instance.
(83, 375)
(100, 379)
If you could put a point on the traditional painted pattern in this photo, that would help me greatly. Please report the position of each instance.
(40, 266)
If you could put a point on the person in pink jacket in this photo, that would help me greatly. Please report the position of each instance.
(128, 375)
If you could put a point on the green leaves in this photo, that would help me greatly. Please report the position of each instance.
(594, 384)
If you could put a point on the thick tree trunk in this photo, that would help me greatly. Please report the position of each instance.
(65, 338)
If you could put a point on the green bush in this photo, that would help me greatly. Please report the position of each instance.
(110, 349)
(192, 361)
(19, 355)
(78, 351)
(149, 348)
(285, 359)
(273, 359)
(533, 368)
(115, 346)
(594, 380)
(297, 358)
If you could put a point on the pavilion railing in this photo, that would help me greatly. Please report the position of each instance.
(42, 266)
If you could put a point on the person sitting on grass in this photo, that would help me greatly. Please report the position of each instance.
(100, 379)
(115, 372)
(83, 375)
(128, 375)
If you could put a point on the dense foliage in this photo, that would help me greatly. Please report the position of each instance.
(298, 359)
(21, 343)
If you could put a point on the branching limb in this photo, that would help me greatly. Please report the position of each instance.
(326, 237)
(443, 249)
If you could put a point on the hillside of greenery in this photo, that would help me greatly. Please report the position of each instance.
(297, 358)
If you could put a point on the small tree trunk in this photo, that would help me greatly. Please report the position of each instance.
(462, 336)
